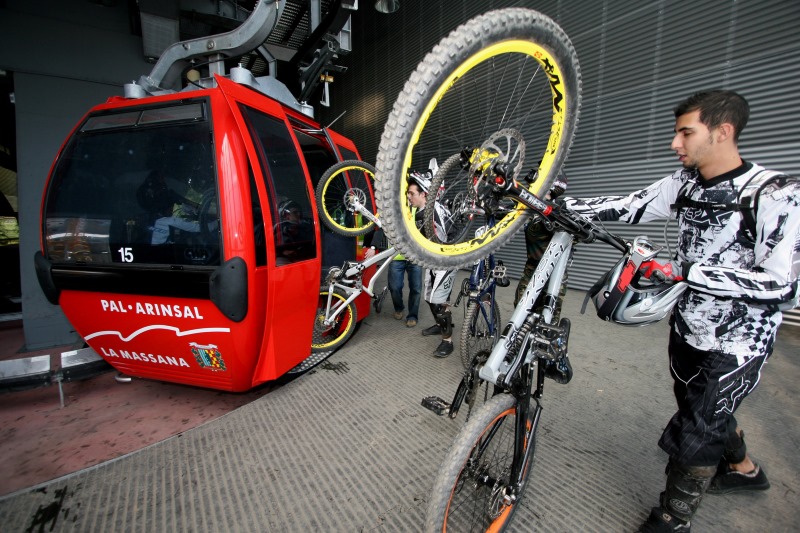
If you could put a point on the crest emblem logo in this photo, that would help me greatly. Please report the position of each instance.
(208, 356)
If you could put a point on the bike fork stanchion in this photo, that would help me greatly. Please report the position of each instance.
(521, 443)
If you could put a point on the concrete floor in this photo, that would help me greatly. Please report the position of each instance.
(101, 419)
(347, 446)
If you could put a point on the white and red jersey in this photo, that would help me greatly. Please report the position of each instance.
(735, 284)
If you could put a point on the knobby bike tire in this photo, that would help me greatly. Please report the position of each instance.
(461, 499)
(481, 391)
(333, 190)
(326, 339)
(488, 55)
(475, 335)
(461, 220)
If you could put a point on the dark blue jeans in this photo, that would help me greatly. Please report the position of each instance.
(397, 270)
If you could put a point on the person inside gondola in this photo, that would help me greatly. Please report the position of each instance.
(166, 208)
(296, 234)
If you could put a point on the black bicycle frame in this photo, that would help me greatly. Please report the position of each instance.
(521, 459)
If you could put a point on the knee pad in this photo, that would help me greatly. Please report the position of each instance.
(443, 317)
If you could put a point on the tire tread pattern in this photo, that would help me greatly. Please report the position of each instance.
(345, 335)
(330, 174)
(473, 314)
(453, 50)
(457, 456)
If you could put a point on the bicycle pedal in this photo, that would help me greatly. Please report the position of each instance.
(436, 404)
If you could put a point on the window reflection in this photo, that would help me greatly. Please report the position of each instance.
(136, 187)
(293, 228)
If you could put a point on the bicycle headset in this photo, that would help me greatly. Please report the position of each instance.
(558, 187)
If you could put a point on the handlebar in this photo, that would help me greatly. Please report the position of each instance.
(567, 219)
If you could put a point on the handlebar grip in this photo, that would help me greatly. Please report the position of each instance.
(659, 276)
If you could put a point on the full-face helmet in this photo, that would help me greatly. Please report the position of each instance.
(626, 297)
(423, 179)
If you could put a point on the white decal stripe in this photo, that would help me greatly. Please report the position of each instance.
(138, 332)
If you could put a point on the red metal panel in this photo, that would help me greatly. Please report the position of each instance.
(180, 340)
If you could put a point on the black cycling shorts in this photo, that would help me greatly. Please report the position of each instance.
(709, 387)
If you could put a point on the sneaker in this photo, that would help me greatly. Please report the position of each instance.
(435, 329)
(660, 521)
(411, 322)
(444, 349)
(398, 315)
(727, 480)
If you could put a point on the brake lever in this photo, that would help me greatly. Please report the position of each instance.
(582, 229)
(659, 276)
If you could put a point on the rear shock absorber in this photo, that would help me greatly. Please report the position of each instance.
(504, 380)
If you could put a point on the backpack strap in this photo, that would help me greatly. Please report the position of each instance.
(747, 199)
(683, 201)
(749, 196)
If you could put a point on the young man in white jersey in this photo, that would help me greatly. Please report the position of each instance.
(739, 278)
(438, 283)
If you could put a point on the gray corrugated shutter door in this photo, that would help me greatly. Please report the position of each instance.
(647, 61)
(638, 59)
(637, 64)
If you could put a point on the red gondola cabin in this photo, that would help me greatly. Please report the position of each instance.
(180, 234)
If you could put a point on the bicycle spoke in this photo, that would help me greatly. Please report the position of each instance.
(344, 193)
(510, 69)
(329, 334)
(478, 497)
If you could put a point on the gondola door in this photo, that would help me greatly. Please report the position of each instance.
(288, 274)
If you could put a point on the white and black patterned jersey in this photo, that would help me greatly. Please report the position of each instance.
(441, 216)
(442, 226)
(735, 284)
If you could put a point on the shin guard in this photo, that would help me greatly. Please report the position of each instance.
(443, 316)
(685, 488)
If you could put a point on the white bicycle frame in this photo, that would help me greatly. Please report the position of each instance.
(351, 284)
(548, 276)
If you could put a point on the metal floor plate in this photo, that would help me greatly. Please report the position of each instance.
(347, 447)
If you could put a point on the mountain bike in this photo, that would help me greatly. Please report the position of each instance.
(485, 473)
(481, 325)
(345, 201)
(503, 85)
(505, 72)
(480, 329)
(482, 319)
